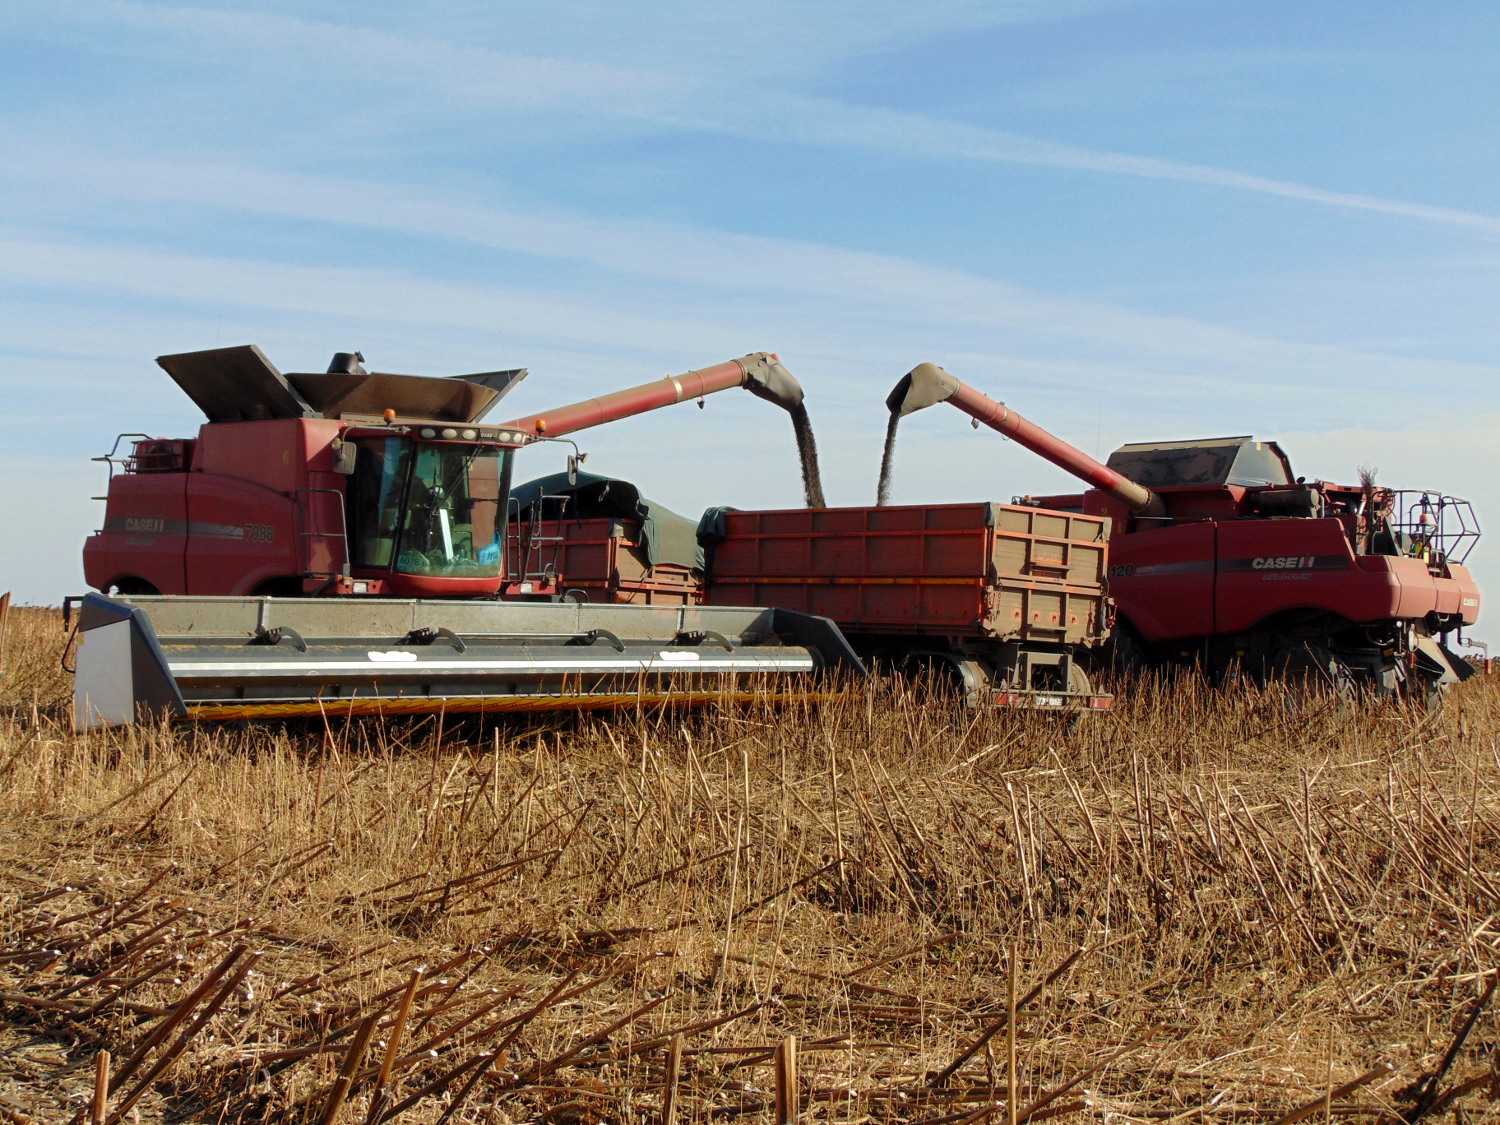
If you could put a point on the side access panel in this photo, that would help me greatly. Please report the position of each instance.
(144, 534)
(1270, 566)
(239, 535)
(1162, 580)
(257, 507)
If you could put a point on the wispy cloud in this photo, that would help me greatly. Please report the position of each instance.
(827, 122)
(806, 291)
(314, 51)
(383, 295)
(694, 97)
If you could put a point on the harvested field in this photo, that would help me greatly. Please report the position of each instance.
(1205, 907)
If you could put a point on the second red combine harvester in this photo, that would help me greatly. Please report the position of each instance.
(1221, 558)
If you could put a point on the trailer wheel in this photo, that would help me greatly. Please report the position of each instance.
(1078, 717)
(942, 675)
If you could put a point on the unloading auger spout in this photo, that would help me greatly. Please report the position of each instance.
(762, 374)
(928, 384)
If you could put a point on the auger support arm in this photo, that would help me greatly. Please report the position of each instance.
(762, 374)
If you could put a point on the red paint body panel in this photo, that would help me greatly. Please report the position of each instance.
(144, 533)
(236, 557)
(1266, 567)
(1162, 580)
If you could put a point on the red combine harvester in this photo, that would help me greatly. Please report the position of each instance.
(1221, 558)
(346, 541)
(348, 482)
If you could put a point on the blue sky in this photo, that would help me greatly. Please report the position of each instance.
(1131, 219)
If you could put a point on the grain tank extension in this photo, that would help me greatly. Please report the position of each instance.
(1220, 557)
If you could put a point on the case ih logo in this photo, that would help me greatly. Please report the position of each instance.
(147, 524)
(1284, 562)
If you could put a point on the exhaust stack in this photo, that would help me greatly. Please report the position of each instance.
(928, 384)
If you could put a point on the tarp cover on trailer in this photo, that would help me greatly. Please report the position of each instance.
(666, 537)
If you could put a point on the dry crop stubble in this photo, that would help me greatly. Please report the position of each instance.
(1272, 901)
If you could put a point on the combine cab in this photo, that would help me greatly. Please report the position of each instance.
(1221, 558)
(307, 501)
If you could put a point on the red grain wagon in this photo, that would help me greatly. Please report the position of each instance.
(1003, 596)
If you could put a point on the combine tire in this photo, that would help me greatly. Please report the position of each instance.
(1310, 667)
(1423, 693)
(1127, 655)
(125, 587)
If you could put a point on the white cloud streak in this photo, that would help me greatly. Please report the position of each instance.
(821, 121)
(686, 97)
(907, 294)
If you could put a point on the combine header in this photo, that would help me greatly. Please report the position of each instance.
(255, 658)
(308, 502)
(1221, 558)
